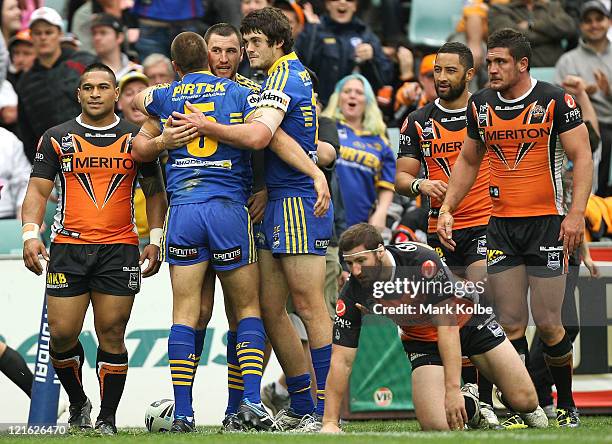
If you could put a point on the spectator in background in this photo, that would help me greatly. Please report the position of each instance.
(14, 175)
(403, 72)
(162, 20)
(248, 6)
(22, 56)
(158, 68)
(11, 18)
(340, 45)
(129, 85)
(8, 106)
(294, 13)
(543, 22)
(81, 21)
(27, 8)
(108, 38)
(591, 60)
(47, 93)
(414, 95)
(223, 11)
(366, 166)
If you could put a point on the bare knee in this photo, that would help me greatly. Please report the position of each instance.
(204, 319)
(433, 424)
(551, 334)
(522, 399)
(63, 336)
(111, 335)
(514, 331)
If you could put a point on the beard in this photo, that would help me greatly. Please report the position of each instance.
(369, 275)
(453, 92)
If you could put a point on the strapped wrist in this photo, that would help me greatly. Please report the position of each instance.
(30, 230)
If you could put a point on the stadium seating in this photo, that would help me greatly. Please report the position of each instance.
(544, 74)
(10, 236)
(431, 22)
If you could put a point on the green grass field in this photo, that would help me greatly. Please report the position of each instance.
(595, 429)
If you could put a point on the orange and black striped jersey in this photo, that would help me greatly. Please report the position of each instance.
(434, 135)
(97, 178)
(521, 139)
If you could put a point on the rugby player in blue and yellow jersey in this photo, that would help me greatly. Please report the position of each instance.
(209, 183)
(297, 227)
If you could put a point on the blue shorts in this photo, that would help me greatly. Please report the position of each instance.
(290, 227)
(218, 230)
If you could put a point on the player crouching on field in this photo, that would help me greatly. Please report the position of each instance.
(434, 343)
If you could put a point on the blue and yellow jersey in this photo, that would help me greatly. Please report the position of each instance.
(205, 168)
(248, 83)
(289, 88)
(366, 163)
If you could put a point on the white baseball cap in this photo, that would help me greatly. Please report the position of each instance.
(47, 14)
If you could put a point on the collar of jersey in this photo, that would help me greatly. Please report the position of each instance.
(285, 58)
(518, 99)
(356, 131)
(99, 128)
(199, 72)
(446, 110)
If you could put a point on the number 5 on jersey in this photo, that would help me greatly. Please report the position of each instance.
(202, 146)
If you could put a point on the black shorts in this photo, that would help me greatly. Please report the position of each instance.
(482, 334)
(471, 246)
(76, 269)
(530, 241)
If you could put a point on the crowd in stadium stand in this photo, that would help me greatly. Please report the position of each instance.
(45, 45)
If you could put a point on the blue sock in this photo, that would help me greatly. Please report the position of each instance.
(320, 362)
(235, 385)
(299, 391)
(250, 351)
(199, 346)
(181, 356)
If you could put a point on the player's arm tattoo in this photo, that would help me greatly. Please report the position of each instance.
(152, 184)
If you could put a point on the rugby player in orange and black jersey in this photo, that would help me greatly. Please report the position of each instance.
(433, 137)
(94, 253)
(409, 284)
(517, 120)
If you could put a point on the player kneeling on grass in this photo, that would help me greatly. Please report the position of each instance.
(410, 285)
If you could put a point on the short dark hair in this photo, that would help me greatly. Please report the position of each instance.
(360, 234)
(465, 55)
(224, 30)
(515, 41)
(272, 23)
(98, 67)
(188, 51)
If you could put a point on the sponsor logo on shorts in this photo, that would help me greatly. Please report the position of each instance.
(337, 335)
(554, 256)
(494, 192)
(321, 244)
(134, 281)
(495, 256)
(56, 280)
(554, 260)
(383, 397)
(340, 308)
(181, 252)
(39, 157)
(414, 356)
(276, 237)
(440, 252)
(495, 329)
(227, 257)
(342, 323)
(482, 246)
